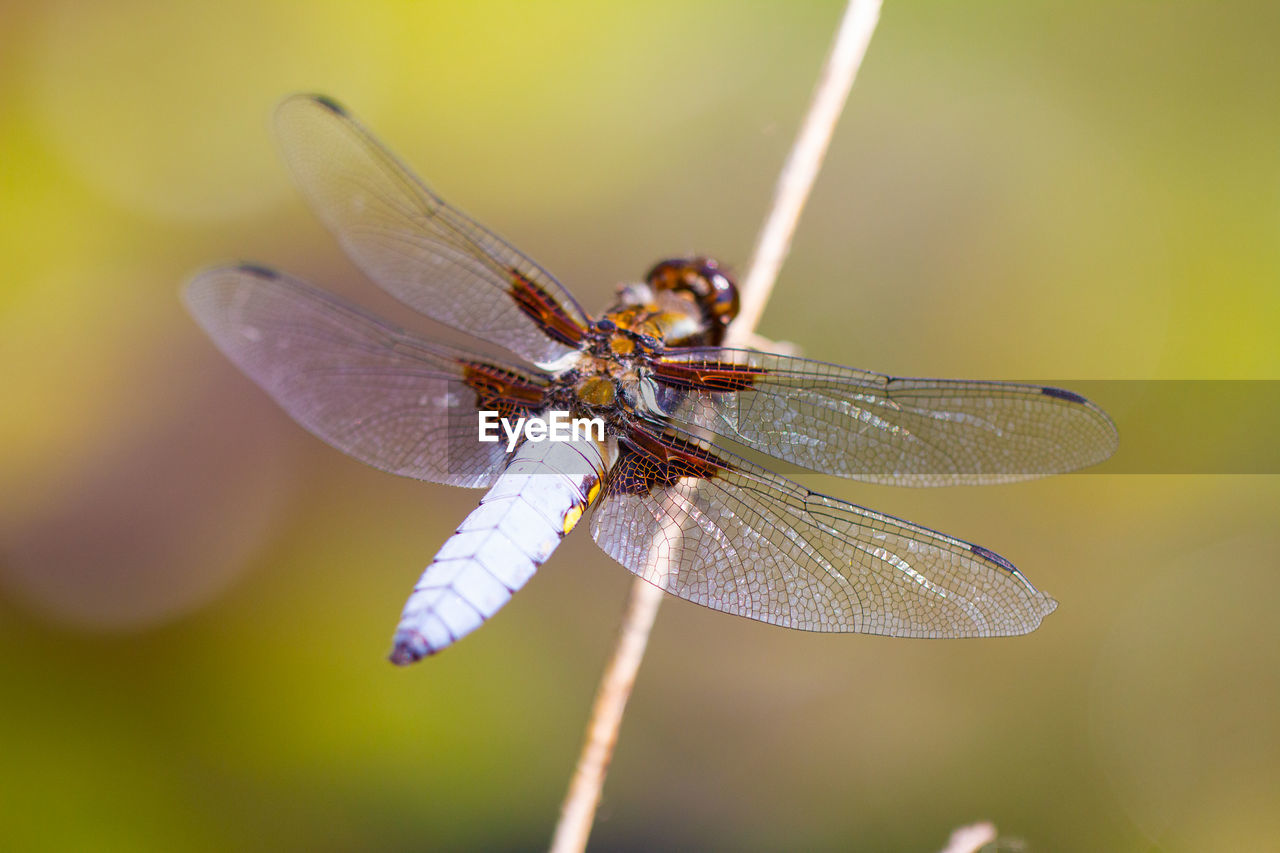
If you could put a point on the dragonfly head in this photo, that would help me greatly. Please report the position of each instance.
(711, 288)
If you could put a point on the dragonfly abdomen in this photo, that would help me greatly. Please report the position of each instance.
(539, 498)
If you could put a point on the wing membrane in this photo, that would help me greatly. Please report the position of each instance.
(719, 531)
(369, 389)
(882, 429)
(430, 256)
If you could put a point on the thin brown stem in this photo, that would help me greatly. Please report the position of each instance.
(803, 163)
(579, 808)
(796, 180)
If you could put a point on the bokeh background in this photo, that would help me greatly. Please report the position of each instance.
(196, 596)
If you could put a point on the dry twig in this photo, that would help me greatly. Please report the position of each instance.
(971, 839)
(794, 184)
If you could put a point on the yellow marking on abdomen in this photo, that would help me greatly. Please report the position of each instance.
(572, 517)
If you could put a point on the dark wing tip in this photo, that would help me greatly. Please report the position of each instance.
(1108, 444)
(330, 104)
(325, 102)
(993, 557)
(1063, 394)
(209, 280)
(1046, 604)
(258, 270)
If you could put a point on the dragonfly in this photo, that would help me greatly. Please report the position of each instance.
(664, 481)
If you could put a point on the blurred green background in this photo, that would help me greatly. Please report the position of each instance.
(196, 596)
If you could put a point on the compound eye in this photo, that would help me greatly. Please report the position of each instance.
(607, 326)
(666, 275)
(724, 301)
(702, 278)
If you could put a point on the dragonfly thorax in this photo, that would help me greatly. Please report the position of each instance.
(604, 385)
(597, 391)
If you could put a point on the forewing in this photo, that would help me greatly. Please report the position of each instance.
(882, 429)
(716, 530)
(369, 389)
(430, 256)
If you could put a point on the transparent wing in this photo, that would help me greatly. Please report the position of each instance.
(716, 530)
(430, 256)
(369, 389)
(882, 429)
